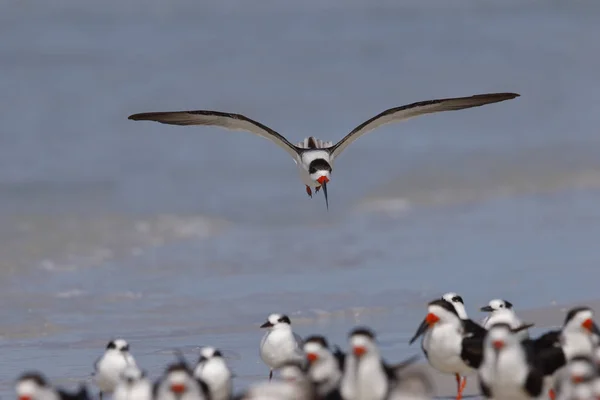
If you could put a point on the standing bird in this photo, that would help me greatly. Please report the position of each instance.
(133, 385)
(314, 157)
(179, 383)
(511, 369)
(366, 375)
(109, 367)
(213, 370)
(578, 376)
(34, 386)
(325, 367)
(471, 328)
(280, 345)
(448, 344)
(293, 385)
(502, 311)
(577, 337)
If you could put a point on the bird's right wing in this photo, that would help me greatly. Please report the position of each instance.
(402, 113)
(235, 122)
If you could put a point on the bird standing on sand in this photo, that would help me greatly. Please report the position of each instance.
(280, 345)
(133, 385)
(34, 386)
(293, 385)
(213, 370)
(471, 328)
(109, 367)
(577, 337)
(325, 367)
(314, 157)
(366, 375)
(449, 344)
(179, 383)
(510, 368)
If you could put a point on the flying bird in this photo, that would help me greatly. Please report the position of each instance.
(315, 157)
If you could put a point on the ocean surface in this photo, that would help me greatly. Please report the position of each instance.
(177, 237)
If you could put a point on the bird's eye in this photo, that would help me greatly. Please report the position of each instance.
(126, 348)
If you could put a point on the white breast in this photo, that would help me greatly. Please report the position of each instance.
(443, 344)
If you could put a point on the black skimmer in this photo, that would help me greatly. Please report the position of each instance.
(471, 327)
(34, 386)
(325, 368)
(314, 157)
(450, 344)
(511, 369)
(179, 383)
(577, 337)
(280, 345)
(366, 375)
(576, 378)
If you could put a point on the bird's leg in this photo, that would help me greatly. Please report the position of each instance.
(461, 383)
(100, 395)
(317, 189)
(552, 394)
(271, 371)
(308, 191)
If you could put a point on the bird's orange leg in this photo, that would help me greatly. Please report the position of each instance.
(552, 394)
(317, 189)
(461, 383)
(308, 191)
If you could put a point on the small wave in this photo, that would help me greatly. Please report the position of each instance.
(66, 243)
(481, 178)
(69, 294)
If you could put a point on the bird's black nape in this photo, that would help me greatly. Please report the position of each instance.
(325, 193)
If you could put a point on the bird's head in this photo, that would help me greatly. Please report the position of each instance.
(320, 173)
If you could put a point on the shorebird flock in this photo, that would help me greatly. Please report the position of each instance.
(508, 363)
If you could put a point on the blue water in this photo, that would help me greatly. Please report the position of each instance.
(177, 237)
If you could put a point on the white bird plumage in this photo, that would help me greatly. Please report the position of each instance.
(280, 345)
(213, 370)
(111, 364)
(133, 385)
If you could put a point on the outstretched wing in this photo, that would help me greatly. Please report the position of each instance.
(402, 113)
(235, 122)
